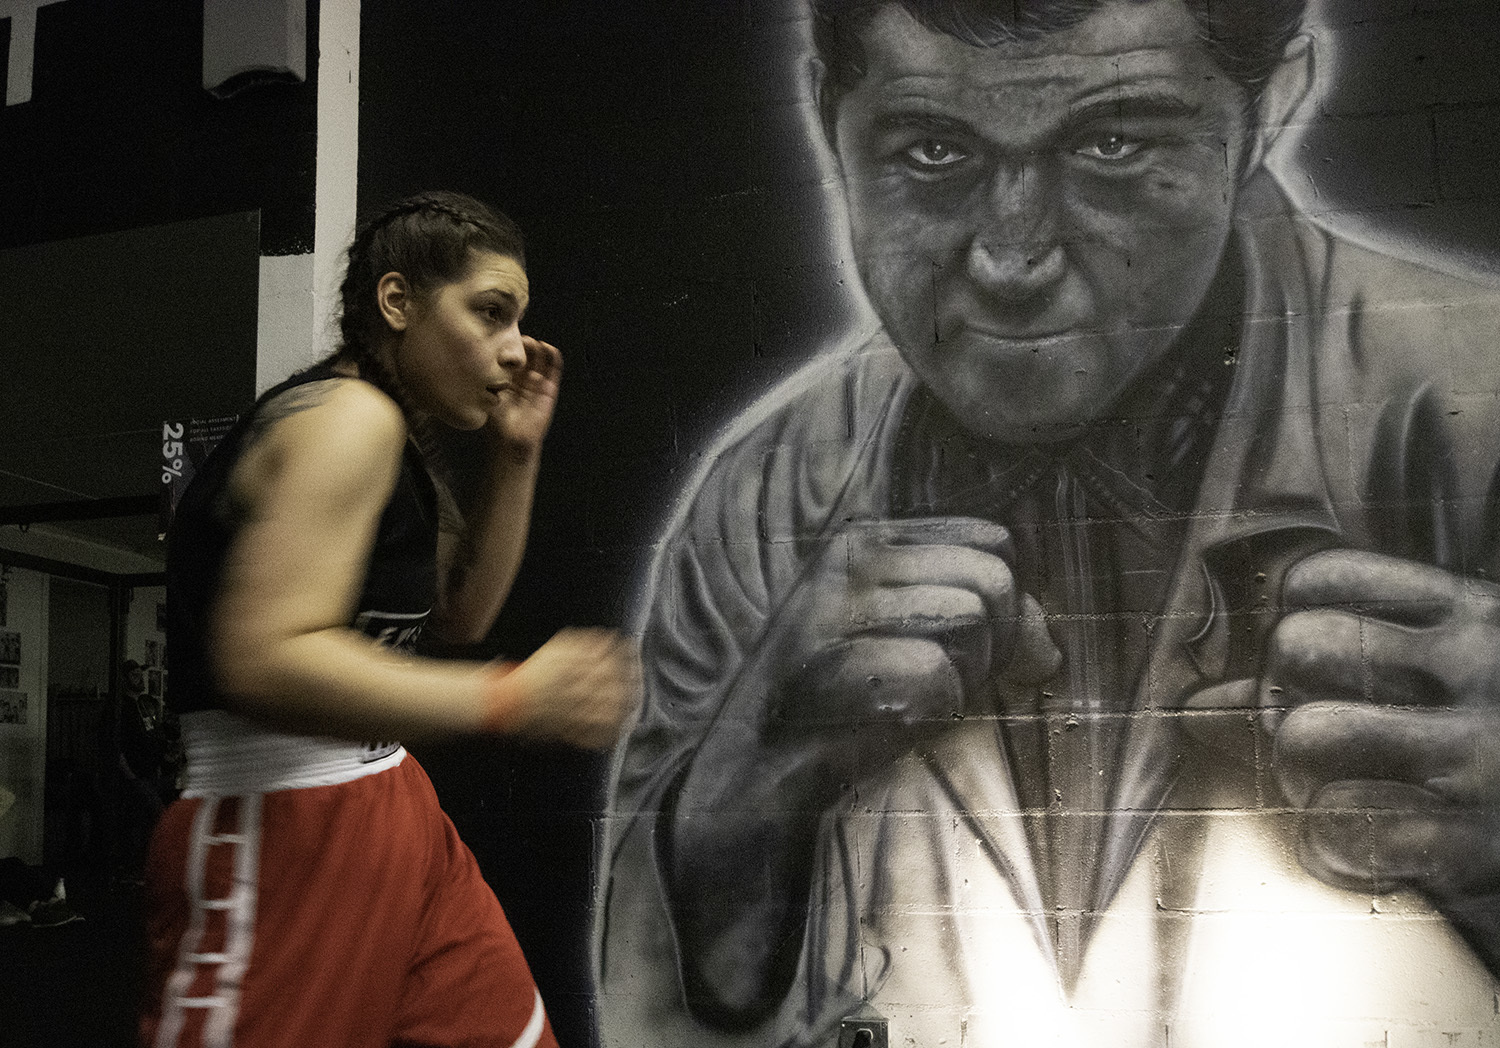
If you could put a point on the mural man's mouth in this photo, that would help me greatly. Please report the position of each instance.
(1030, 339)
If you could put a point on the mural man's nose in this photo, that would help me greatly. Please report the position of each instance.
(1015, 253)
(1015, 273)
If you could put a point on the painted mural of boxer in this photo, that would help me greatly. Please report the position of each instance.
(1104, 651)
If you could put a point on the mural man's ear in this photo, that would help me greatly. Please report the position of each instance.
(1282, 96)
(817, 75)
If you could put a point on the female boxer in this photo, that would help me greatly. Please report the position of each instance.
(307, 889)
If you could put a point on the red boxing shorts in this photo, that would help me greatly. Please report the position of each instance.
(315, 894)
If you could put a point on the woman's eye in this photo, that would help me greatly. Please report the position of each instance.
(934, 153)
(1110, 147)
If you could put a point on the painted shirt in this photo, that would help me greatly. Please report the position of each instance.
(1360, 414)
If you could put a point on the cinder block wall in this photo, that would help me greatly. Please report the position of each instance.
(985, 696)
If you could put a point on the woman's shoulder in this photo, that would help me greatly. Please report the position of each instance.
(321, 435)
(334, 405)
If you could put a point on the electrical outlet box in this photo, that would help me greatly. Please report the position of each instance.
(863, 1033)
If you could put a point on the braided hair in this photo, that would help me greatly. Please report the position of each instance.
(429, 239)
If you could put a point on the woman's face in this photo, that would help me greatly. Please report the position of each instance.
(460, 346)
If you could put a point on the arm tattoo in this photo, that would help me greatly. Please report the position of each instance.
(294, 400)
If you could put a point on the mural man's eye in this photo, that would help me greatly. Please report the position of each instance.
(1110, 147)
(934, 153)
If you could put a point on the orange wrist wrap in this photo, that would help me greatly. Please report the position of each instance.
(504, 699)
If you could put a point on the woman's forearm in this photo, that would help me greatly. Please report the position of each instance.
(485, 558)
(339, 682)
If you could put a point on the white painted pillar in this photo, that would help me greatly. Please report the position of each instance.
(338, 159)
(299, 300)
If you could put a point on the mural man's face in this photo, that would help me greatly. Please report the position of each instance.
(1035, 222)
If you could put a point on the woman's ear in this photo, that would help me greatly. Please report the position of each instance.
(394, 300)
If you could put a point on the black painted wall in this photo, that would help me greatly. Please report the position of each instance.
(119, 132)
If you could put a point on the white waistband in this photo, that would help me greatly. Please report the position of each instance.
(228, 755)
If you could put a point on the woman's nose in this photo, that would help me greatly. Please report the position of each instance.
(512, 353)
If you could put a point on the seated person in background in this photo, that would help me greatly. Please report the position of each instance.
(141, 743)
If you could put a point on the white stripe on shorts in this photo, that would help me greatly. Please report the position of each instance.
(174, 997)
(533, 1032)
(218, 1028)
(223, 1004)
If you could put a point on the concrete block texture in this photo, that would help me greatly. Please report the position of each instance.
(1093, 642)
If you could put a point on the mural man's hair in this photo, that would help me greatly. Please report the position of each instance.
(1247, 38)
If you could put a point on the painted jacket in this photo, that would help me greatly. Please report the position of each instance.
(1364, 413)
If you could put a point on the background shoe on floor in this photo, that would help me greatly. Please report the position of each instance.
(12, 914)
(54, 911)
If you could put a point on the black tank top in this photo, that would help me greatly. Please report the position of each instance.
(400, 578)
